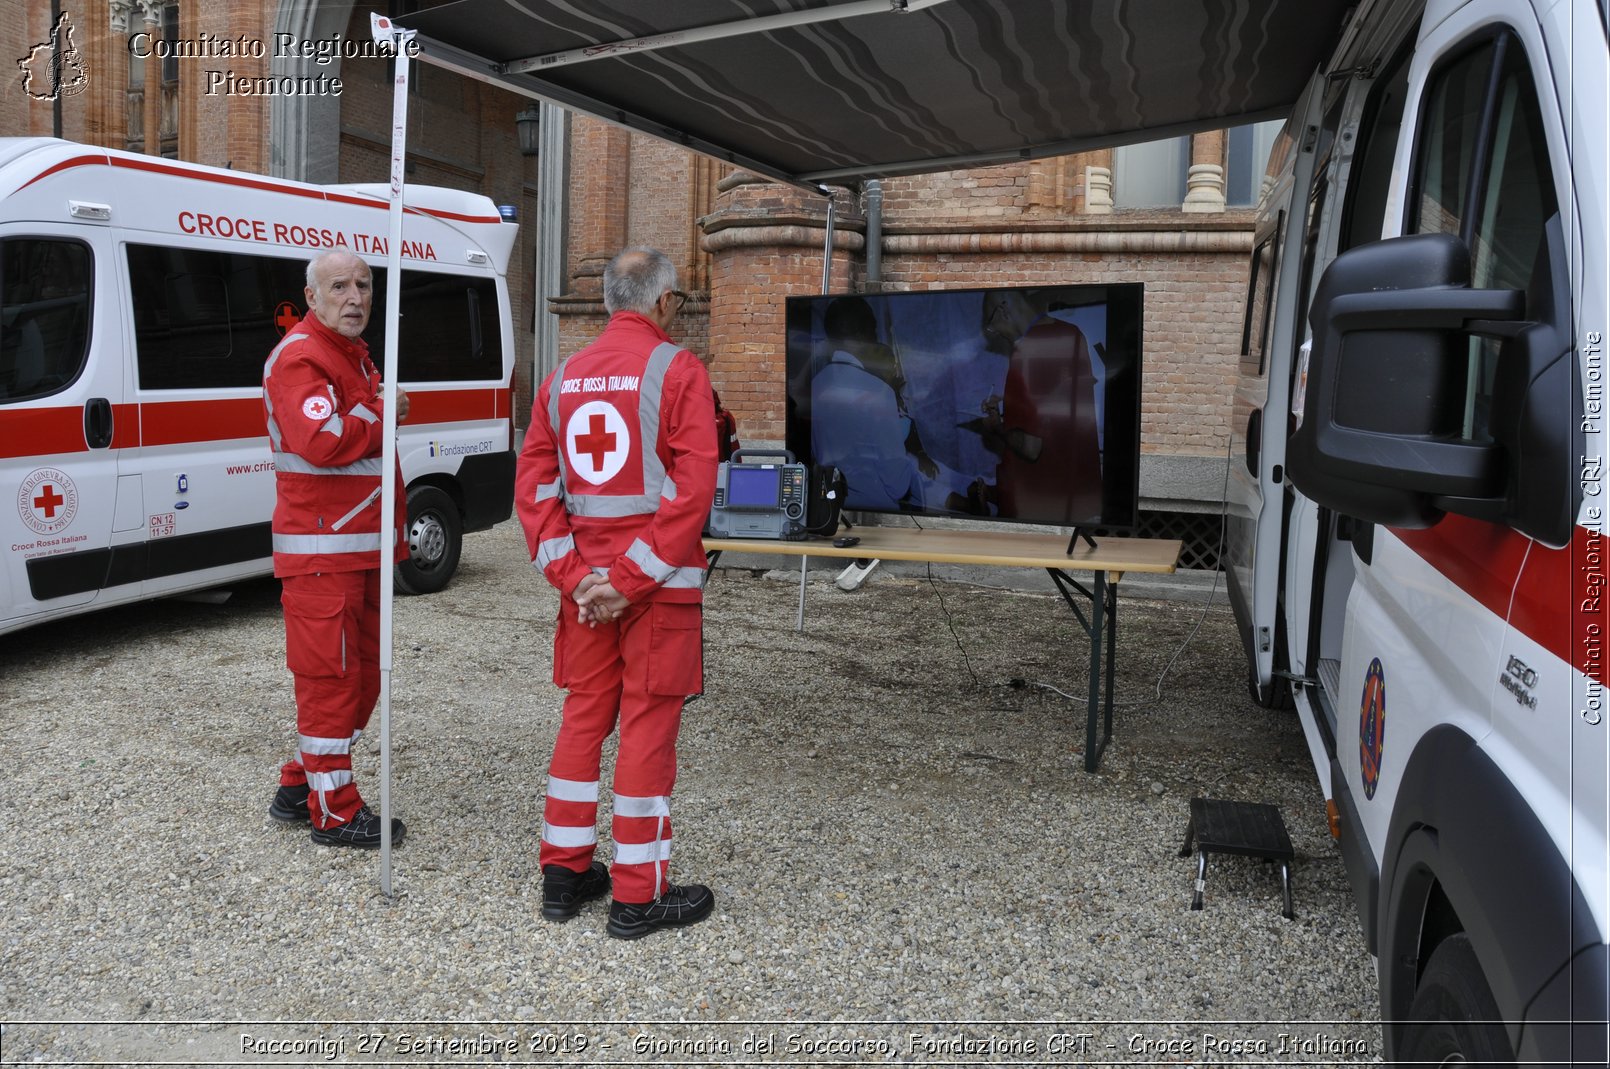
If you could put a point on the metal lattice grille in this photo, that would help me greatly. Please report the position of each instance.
(1198, 533)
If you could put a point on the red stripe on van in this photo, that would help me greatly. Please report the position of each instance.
(249, 182)
(42, 432)
(1556, 601)
(174, 422)
(505, 404)
(451, 406)
(76, 161)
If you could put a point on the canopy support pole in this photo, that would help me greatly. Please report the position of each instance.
(827, 243)
(714, 32)
(386, 33)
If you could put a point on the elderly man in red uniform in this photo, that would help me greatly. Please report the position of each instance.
(613, 487)
(324, 405)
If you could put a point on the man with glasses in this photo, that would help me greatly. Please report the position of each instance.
(613, 487)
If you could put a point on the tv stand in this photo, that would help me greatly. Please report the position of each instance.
(1078, 533)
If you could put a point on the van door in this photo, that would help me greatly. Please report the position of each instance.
(63, 420)
(205, 320)
(1255, 499)
(1358, 139)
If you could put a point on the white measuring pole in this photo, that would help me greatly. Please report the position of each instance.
(387, 32)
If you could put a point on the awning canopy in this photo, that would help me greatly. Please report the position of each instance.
(877, 90)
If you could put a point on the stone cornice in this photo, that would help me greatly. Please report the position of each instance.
(728, 218)
(1180, 240)
(1165, 220)
(579, 304)
(753, 235)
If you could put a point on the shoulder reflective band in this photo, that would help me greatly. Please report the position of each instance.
(268, 369)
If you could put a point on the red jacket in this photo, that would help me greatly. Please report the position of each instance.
(630, 493)
(321, 396)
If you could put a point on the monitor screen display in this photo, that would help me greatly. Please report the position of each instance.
(753, 487)
(1014, 404)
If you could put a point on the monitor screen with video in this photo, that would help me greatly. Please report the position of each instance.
(1008, 404)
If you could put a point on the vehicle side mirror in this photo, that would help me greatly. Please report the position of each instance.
(1381, 429)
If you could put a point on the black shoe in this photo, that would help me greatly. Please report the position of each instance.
(564, 891)
(362, 831)
(676, 907)
(290, 805)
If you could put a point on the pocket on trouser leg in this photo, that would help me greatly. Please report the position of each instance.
(315, 633)
(560, 679)
(676, 649)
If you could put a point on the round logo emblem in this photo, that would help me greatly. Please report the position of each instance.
(286, 316)
(597, 442)
(47, 501)
(317, 408)
(1372, 727)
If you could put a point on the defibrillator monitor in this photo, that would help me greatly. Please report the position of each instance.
(758, 497)
(757, 486)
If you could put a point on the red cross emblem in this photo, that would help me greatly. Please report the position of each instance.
(597, 441)
(286, 316)
(48, 501)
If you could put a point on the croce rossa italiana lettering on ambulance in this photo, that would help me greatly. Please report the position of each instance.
(280, 232)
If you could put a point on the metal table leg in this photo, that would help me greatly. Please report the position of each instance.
(1101, 626)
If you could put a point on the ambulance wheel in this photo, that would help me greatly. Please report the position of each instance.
(435, 539)
(1454, 1019)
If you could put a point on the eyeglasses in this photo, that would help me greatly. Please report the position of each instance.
(681, 299)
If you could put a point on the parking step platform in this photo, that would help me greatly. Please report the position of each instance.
(1251, 829)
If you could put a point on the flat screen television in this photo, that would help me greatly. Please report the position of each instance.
(1009, 404)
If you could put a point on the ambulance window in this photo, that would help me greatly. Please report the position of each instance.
(1483, 174)
(44, 315)
(450, 330)
(1371, 178)
(1255, 330)
(208, 320)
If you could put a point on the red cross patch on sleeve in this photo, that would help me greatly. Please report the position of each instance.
(317, 408)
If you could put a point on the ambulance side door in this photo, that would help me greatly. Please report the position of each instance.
(205, 317)
(63, 419)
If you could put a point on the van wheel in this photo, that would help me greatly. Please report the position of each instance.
(1454, 1019)
(435, 540)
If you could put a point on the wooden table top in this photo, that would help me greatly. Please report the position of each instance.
(1024, 549)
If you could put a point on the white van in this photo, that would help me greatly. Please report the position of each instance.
(1417, 545)
(139, 298)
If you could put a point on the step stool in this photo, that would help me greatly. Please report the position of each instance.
(1250, 829)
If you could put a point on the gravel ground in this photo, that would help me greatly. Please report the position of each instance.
(910, 862)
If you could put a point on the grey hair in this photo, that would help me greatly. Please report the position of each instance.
(636, 278)
(313, 264)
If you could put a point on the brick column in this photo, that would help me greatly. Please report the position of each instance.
(601, 170)
(1205, 180)
(765, 243)
(1097, 182)
(151, 13)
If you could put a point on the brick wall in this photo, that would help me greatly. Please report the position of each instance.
(1002, 226)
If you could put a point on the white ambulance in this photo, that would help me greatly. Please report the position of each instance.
(1417, 546)
(139, 298)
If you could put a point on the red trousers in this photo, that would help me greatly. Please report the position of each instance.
(635, 671)
(332, 647)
